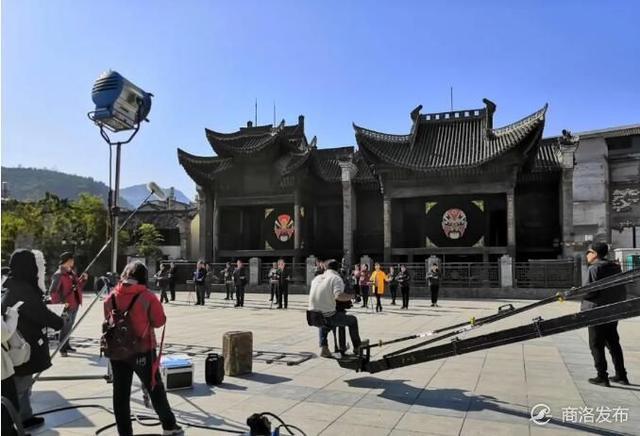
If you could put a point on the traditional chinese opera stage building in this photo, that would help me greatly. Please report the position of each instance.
(454, 186)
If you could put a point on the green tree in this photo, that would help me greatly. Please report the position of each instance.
(56, 225)
(148, 240)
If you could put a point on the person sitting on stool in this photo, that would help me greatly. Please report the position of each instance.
(326, 289)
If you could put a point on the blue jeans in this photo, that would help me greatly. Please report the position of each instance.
(341, 319)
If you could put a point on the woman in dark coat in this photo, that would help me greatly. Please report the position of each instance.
(22, 285)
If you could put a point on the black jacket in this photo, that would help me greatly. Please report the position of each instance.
(403, 278)
(240, 276)
(34, 317)
(433, 278)
(285, 276)
(172, 276)
(228, 274)
(598, 271)
(199, 276)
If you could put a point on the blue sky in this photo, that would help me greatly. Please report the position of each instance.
(335, 62)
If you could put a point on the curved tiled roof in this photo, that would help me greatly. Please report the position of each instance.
(548, 157)
(448, 140)
(250, 140)
(203, 168)
(326, 164)
(230, 144)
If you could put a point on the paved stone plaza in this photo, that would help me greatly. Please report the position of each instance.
(483, 393)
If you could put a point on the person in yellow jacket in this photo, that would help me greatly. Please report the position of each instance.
(378, 280)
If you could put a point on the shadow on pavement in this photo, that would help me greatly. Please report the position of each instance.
(457, 400)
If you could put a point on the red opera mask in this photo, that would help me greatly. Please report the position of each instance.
(283, 227)
(454, 223)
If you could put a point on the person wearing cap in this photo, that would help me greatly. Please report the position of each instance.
(604, 335)
(66, 288)
(35, 317)
(145, 313)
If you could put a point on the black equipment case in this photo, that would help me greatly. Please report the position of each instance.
(214, 369)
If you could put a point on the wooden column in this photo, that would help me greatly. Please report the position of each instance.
(386, 206)
(297, 237)
(348, 210)
(511, 223)
(568, 144)
(205, 232)
(216, 229)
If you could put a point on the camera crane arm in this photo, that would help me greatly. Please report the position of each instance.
(538, 328)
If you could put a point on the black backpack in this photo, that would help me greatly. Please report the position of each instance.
(119, 341)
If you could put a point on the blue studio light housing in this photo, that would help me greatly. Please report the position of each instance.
(120, 105)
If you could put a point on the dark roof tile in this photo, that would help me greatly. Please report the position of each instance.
(442, 141)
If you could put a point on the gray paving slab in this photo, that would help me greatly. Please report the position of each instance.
(490, 392)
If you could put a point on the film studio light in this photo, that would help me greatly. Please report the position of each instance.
(120, 105)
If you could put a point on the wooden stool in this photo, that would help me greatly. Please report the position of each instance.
(237, 349)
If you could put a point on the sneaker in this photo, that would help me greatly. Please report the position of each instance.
(600, 381)
(73, 350)
(176, 430)
(34, 421)
(325, 352)
(64, 354)
(621, 380)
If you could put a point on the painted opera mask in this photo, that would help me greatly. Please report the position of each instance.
(283, 227)
(454, 223)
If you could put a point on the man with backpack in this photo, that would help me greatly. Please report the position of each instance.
(66, 288)
(132, 312)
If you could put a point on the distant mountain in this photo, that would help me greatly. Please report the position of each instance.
(136, 194)
(30, 184)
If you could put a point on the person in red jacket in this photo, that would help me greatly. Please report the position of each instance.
(66, 288)
(145, 314)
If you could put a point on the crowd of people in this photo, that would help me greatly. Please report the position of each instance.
(235, 279)
(27, 319)
(334, 289)
(360, 281)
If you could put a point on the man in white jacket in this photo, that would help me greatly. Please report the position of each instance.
(326, 289)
